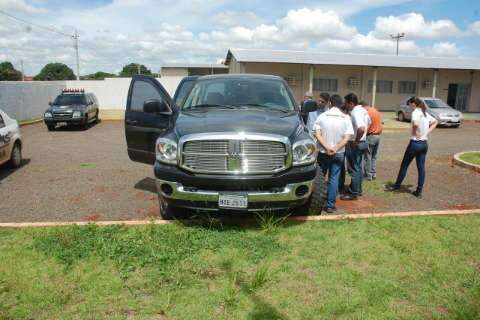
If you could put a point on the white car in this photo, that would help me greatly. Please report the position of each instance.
(10, 141)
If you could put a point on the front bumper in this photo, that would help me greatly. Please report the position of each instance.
(449, 122)
(202, 191)
(72, 121)
(193, 198)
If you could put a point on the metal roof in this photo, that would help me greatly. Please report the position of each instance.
(372, 60)
(195, 65)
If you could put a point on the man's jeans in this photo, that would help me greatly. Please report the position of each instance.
(417, 150)
(354, 166)
(370, 170)
(332, 165)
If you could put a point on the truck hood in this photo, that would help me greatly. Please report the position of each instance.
(237, 121)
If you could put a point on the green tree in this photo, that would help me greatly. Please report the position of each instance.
(8, 72)
(132, 69)
(55, 71)
(100, 75)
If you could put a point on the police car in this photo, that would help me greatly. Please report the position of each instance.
(72, 107)
(10, 141)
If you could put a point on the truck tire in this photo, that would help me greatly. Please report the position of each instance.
(16, 156)
(167, 212)
(401, 117)
(51, 127)
(316, 202)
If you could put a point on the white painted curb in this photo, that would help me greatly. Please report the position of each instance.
(464, 164)
(303, 218)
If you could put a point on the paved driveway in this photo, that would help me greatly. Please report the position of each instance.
(86, 175)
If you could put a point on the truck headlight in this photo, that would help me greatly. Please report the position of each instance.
(77, 114)
(304, 152)
(48, 115)
(166, 151)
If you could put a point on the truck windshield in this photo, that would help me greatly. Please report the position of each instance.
(182, 91)
(66, 100)
(270, 94)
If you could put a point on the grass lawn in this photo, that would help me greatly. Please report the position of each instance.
(410, 268)
(472, 157)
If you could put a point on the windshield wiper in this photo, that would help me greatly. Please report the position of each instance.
(262, 106)
(206, 105)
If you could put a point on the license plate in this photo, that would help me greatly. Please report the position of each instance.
(62, 123)
(232, 201)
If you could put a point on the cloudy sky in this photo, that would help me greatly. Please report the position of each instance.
(116, 32)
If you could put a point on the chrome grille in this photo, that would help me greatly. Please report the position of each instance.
(62, 115)
(234, 156)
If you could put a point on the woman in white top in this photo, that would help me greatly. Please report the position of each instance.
(421, 126)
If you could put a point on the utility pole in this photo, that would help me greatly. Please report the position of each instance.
(23, 72)
(75, 46)
(397, 38)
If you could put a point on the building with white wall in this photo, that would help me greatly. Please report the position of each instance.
(189, 69)
(383, 81)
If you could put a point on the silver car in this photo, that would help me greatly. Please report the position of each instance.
(442, 112)
(10, 141)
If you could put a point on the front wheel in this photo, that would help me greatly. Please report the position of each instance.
(316, 202)
(401, 117)
(51, 127)
(167, 212)
(16, 156)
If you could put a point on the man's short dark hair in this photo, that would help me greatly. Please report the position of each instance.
(351, 97)
(336, 101)
(325, 96)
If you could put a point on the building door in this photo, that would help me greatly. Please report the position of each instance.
(458, 96)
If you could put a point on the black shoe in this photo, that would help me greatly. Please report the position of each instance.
(330, 210)
(392, 187)
(349, 197)
(374, 178)
(417, 194)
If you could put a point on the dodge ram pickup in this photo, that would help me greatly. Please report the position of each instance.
(233, 142)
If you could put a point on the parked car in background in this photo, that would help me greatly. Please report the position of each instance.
(442, 112)
(72, 107)
(236, 143)
(10, 141)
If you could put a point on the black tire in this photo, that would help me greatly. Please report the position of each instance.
(401, 117)
(96, 117)
(167, 212)
(316, 202)
(16, 156)
(85, 124)
(51, 127)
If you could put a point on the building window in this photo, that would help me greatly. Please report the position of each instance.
(383, 86)
(329, 85)
(407, 87)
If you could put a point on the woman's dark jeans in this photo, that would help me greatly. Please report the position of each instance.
(417, 150)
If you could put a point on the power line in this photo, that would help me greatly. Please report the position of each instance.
(34, 24)
(74, 36)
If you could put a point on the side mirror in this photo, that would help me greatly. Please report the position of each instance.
(50, 103)
(155, 106)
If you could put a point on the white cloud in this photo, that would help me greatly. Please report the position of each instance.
(414, 26)
(444, 49)
(474, 29)
(20, 6)
(125, 31)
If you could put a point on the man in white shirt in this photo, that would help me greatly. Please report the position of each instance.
(323, 100)
(357, 146)
(333, 129)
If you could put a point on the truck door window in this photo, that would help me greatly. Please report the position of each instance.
(2, 123)
(143, 91)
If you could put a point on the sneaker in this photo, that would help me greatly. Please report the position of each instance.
(374, 178)
(369, 178)
(392, 187)
(417, 194)
(349, 197)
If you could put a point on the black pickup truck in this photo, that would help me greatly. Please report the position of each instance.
(230, 142)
